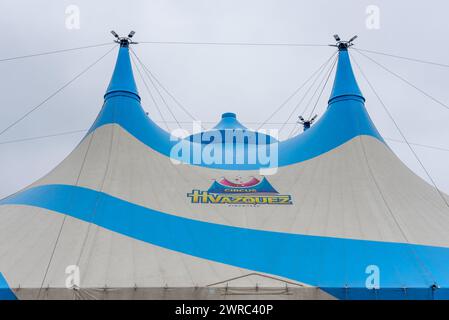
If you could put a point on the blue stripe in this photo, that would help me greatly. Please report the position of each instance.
(5, 292)
(325, 262)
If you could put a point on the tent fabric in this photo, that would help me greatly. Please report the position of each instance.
(130, 217)
(5, 291)
(345, 115)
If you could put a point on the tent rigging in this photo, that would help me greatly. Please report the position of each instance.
(161, 97)
(306, 123)
(55, 51)
(255, 44)
(404, 58)
(151, 95)
(230, 44)
(322, 86)
(55, 92)
(121, 209)
(297, 90)
(66, 133)
(151, 75)
(404, 80)
(402, 134)
(322, 72)
(261, 124)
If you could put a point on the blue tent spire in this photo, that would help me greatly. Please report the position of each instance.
(122, 81)
(229, 121)
(345, 84)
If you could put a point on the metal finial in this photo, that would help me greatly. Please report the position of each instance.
(124, 41)
(340, 44)
(307, 123)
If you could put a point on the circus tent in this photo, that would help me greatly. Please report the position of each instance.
(333, 213)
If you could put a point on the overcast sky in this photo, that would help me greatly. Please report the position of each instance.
(209, 80)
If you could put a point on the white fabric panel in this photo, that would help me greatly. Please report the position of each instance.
(106, 259)
(359, 190)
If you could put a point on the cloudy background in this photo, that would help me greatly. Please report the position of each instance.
(209, 80)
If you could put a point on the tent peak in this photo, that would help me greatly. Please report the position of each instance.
(342, 44)
(122, 81)
(345, 84)
(229, 121)
(124, 41)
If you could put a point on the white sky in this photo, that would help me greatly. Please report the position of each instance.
(210, 80)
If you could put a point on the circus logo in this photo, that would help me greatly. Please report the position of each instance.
(251, 191)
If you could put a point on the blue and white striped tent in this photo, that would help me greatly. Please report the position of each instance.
(131, 210)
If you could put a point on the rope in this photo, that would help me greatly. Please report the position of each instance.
(323, 87)
(235, 43)
(297, 90)
(296, 129)
(405, 80)
(42, 137)
(256, 274)
(419, 144)
(53, 52)
(55, 93)
(76, 183)
(149, 92)
(65, 216)
(326, 79)
(384, 200)
(99, 196)
(401, 133)
(405, 58)
(379, 190)
(278, 123)
(304, 96)
(160, 95)
(151, 75)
